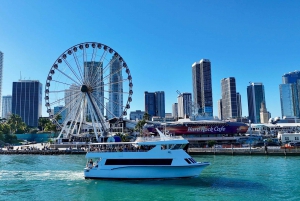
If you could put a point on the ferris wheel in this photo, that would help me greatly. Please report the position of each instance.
(88, 84)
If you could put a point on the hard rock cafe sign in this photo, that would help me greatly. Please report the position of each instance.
(205, 129)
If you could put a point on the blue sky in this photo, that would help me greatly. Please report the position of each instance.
(255, 41)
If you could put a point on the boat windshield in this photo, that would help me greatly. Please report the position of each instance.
(173, 146)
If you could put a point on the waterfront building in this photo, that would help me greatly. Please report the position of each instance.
(155, 104)
(239, 104)
(202, 86)
(115, 103)
(175, 110)
(184, 105)
(1, 76)
(136, 115)
(255, 95)
(290, 94)
(60, 109)
(27, 101)
(6, 106)
(229, 98)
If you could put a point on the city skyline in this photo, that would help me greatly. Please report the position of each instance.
(251, 41)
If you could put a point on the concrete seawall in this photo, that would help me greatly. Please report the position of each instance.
(42, 152)
(248, 151)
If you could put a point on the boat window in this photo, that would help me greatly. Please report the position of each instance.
(193, 160)
(182, 146)
(190, 160)
(166, 161)
(176, 146)
(164, 146)
(187, 161)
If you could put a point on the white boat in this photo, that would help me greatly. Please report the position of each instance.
(147, 158)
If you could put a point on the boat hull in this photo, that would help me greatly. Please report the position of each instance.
(145, 172)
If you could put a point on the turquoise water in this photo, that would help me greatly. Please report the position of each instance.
(34, 177)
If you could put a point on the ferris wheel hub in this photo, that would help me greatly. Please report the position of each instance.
(84, 88)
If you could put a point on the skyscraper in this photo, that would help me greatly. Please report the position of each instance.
(184, 104)
(229, 98)
(6, 106)
(1, 75)
(202, 86)
(115, 104)
(160, 103)
(175, 110)
(93, 72)
(71, 101)
(27, 101)
(155, 103)
(256, 95)
(290, 94)
(220, 108)
(239, 104)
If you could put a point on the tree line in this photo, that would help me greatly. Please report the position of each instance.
(15, 125)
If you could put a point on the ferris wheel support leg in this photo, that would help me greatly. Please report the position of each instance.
(92, 117)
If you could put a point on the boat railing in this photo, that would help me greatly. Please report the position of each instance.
(118, 149)
(155, 139)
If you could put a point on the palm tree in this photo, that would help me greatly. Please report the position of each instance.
(15, 122)
(58, 117)
(43, 121)
(146, 116)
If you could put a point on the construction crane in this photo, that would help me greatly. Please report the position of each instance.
(179, 93)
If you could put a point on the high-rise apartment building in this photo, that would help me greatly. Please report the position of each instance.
(160, 103)
(155, 103)
(239, 104)
(229, 98)
(290, 94)
(27, 101)
(1, 76)
(184, 105)
(220, 108)
(175, 110)
(71, 101)
(202, 86)
(93, 72)
(115, 104)
(256, 95)
(6, 106)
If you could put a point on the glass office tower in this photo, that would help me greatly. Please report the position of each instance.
(290, 94)
(155, 103)
(27, 101)
(256, 95)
